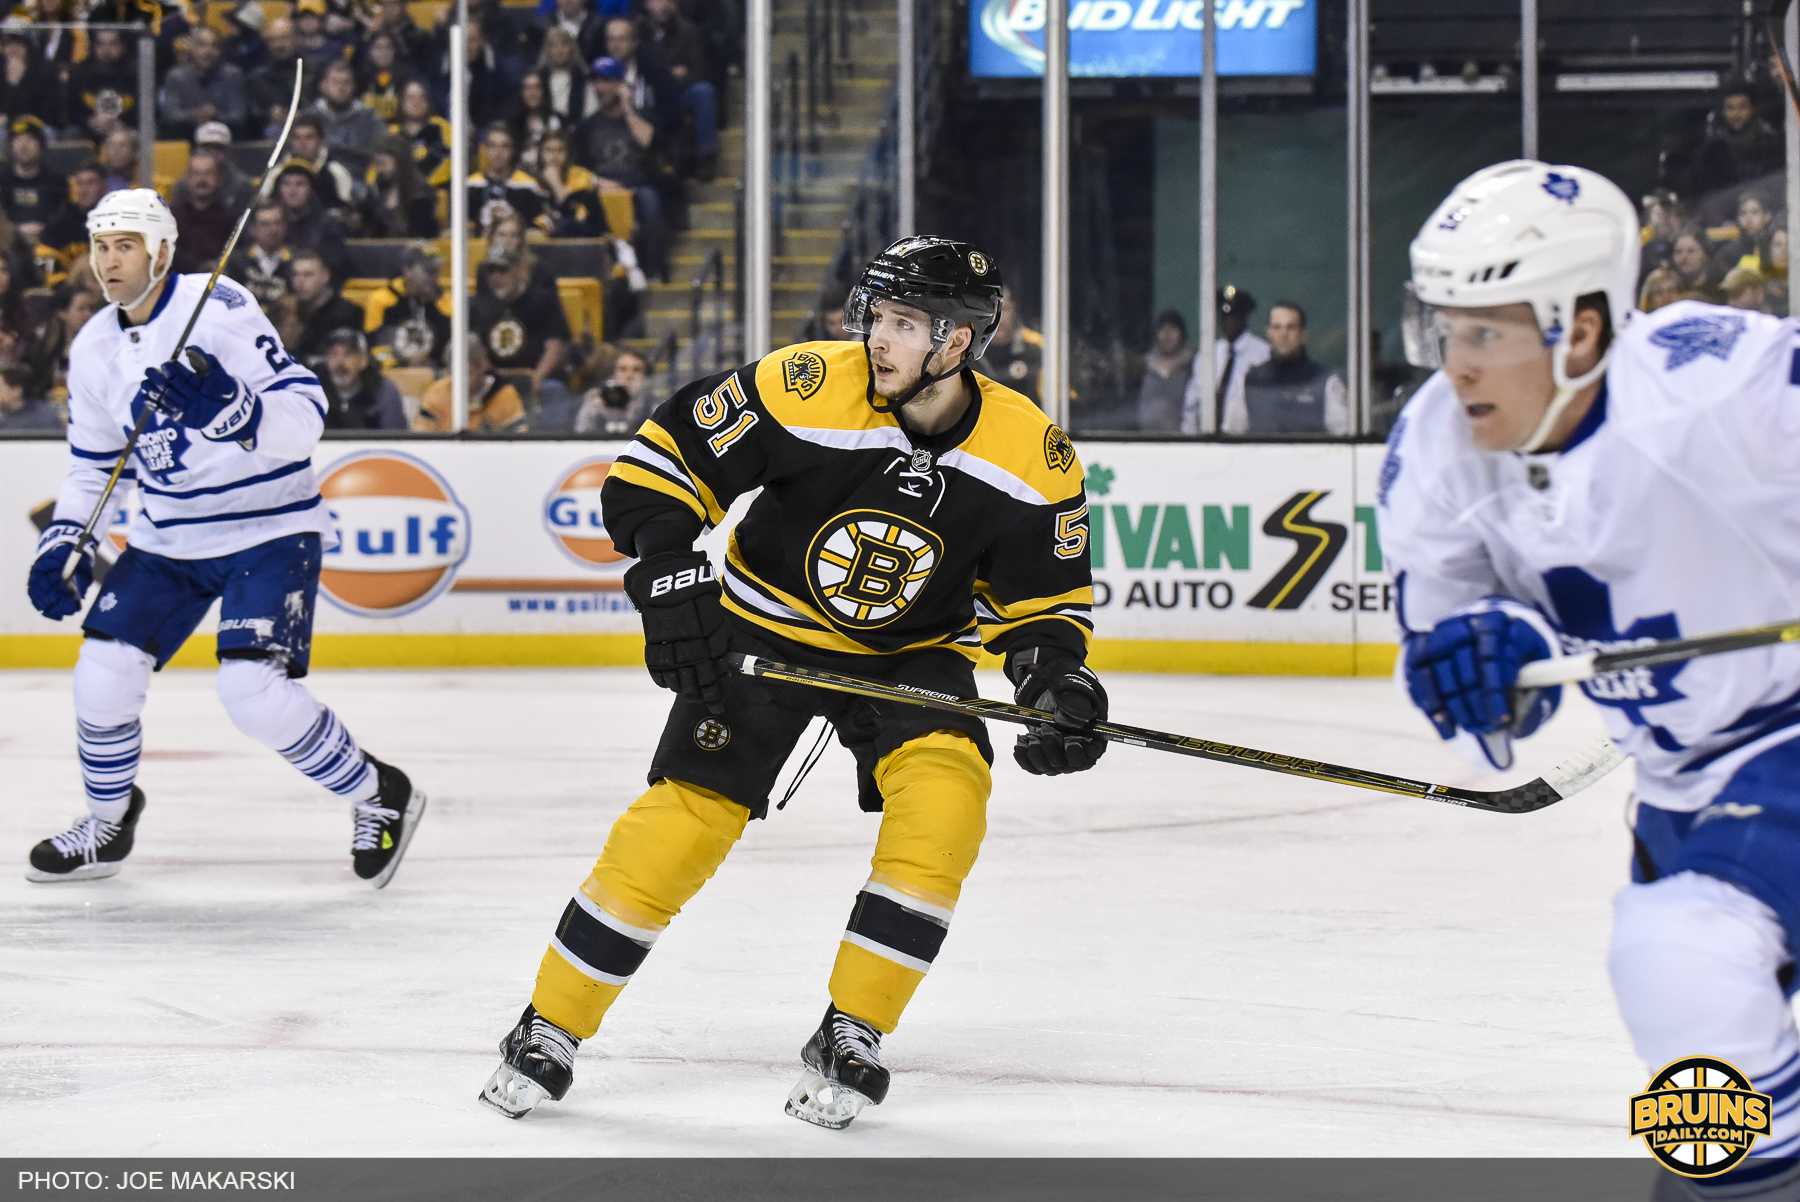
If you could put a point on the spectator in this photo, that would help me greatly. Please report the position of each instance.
(564, 72)
(614, 143)
(284, 315)
(235, 188)
(1739, 146)
(205, 224)
(528, 113)
(1014, 357)
(309, 226)
(678, 42)
(427, 133)
(28, 88)
(1235, 351)
(1693, 270)
(492, 78)
(67, 234)
(414, 44)
(508, 236)
(119, 159)
(316, 43)
(205, 88)
(359, 396)
(1291, 394)
(1662, 222)
(351, 128)
(524, 328)
(336, 183)
(1775, 269)
(1661, 287)
(269, 87)
(653, 91)
(32, 195)
(15, 320)
(1743, 288)
(245, 49)
(574, 191)
(1745, 250)
(494, 406)
(1166, 371)
(102, 93)
(581, 22)
(396, 202)
(501, 186)
(408, 321)
(48, 357)
(617, 408)
(22, 410)
(380, 75)
(320, 309)
(263, 265)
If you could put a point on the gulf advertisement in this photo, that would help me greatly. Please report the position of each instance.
(1145, 38)
(1207, 557)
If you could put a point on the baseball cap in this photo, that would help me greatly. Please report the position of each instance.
(30, 127)
(607, 67)
(420, 254)
(347, 337)
(212, 133)
(1235, 302)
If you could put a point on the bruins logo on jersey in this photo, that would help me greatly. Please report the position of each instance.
(866, 567)
(1059, 452)
(711, 735)
(804, 373)
(506, 339)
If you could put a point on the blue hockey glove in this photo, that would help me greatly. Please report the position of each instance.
(1462, 672)
(204, 397)
(49, 595)
(1058, 682)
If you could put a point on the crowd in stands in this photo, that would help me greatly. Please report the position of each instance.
(1722, 237)
(590, 119)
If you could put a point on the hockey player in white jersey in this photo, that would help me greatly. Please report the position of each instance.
(1578, 476)
(230, 511)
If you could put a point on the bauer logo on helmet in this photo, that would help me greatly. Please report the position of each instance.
(402, 534)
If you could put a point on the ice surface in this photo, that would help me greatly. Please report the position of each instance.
(1160, 957)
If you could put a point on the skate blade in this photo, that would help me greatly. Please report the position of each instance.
(81, 872)
(824, 1103)
(511, 1093)
(415, 810)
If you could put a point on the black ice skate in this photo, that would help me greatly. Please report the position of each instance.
(90, 849)
(843, 1072)
(537, 1062)
(385, 825)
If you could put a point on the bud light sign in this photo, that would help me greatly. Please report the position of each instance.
(1139, 38)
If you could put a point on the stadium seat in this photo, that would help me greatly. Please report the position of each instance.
(619, 213)
(170, 164)
(358, 291)
(411, 381)
(426, 13)
(582, 304)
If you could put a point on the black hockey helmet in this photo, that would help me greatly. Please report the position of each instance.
(954, 282)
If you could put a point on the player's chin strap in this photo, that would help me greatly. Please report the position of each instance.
(895, 404)
(1565, 391)
(155, 278)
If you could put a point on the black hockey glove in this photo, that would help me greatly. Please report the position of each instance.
(1058, 682)
(684, 625)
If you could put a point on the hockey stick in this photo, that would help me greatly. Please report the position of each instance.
(88, 537)
(1572, 669)
(1565, 780)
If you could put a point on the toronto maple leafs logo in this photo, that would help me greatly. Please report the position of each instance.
(1584, 612)
(1691, 337)
(1562, 187)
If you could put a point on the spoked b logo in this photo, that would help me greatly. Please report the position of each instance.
(866, 567)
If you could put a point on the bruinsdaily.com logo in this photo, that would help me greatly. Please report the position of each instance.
(1699, 1116)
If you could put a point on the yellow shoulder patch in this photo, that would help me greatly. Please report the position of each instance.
(1017, 437)
(823, 385)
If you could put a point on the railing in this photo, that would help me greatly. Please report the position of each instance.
(709, 346)
(665, 357)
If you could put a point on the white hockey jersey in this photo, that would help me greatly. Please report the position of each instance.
(1673, 511)
(201, 499)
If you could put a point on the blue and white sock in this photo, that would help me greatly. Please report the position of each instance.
(329, 755)
(109, 764)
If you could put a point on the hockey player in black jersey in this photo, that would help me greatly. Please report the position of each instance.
(912, 513)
